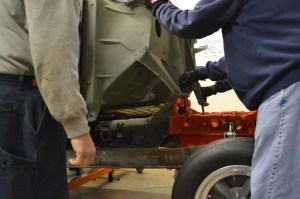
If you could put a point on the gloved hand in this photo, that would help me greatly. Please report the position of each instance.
(219, 87)
(206, 92)
(188, 78)
(150, 3)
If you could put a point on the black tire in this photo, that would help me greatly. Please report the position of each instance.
(205, 162)
(78, 171)
(139, 170)
(110, 177)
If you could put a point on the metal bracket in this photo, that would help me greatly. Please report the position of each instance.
(230, 129)
(140, 157)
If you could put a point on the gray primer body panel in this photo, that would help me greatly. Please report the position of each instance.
(127, 57)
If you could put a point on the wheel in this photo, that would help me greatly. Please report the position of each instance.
(111, 177)
(78, 171)
(220, 170)
(139, 170)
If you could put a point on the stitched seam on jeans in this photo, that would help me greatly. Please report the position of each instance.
(42, 118)
(38, 185)
(278, 147)
(29, 108)
(5, 184)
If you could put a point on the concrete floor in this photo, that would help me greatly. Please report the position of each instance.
(128, 184)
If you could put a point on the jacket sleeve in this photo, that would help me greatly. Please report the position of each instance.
(215, 71)
(54, 42)
(207, 17)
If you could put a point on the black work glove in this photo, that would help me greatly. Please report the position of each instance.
(219, 87)
(150, 3)
(206, 92)
(188, 78)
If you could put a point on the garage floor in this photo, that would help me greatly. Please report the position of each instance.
(128, 184)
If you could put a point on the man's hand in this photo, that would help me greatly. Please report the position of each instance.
(85, 151)
(207, 91)
(188, 78)
(151, 2)
(220, 86)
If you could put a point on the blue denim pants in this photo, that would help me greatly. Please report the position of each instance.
(276, 160)
(32, 144)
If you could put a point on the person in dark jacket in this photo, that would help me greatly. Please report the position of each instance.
(262, 64)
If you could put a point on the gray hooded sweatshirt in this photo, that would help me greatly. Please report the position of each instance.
(40, 38)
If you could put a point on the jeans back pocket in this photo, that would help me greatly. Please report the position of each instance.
(18, 177)
(7, 106)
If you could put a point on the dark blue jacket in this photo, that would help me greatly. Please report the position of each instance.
(261, 42)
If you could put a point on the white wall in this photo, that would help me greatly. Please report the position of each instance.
(185, 4)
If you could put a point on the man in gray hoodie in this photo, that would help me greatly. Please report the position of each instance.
(40, 102)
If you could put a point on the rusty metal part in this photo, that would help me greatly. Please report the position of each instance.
(140, 158)
(185, 107)
(203, 128)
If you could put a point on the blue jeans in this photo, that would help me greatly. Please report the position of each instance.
(32, 144)
(276, 160)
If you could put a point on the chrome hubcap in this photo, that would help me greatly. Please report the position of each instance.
(231, 182)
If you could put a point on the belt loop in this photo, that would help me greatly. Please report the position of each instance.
(34, 82)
